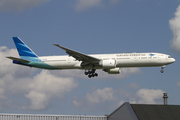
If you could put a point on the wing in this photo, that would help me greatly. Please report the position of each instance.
(18, 59)
(79, 56)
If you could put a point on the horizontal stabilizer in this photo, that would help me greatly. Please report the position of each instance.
(18, 59)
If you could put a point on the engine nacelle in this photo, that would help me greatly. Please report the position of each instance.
(108, 64)
(113, 71)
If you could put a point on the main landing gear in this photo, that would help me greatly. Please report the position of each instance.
(91, 73)
(162, 69)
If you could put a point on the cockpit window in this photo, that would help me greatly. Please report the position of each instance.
(169, 57)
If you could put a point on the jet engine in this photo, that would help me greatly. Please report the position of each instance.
(108, 64)
(113, 71)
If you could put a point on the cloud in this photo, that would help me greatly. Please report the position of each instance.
(2, 97)
(8, 71)
(175, 28)
(39, 101)
(37, 91)
(19, 5)
(109, 98)
(143, 96)
(41, 89)
(44, 87)
(100, 95)
(133, 86)
(149, 96)
(100, 99)
(88, 4)
(6, 66)
(178, 84)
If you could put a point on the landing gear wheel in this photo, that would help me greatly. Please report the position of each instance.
(86, 73)
(91, 73)
(89, 76)
(162, 67)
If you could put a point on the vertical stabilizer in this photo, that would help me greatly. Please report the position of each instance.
(23, 49)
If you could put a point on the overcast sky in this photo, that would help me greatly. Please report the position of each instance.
(88, 26)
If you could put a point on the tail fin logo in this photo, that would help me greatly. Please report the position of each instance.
(23, 49)
(151, 55)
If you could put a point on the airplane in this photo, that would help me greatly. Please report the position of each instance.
(110, 63)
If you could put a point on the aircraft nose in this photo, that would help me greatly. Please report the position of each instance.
(173, 60)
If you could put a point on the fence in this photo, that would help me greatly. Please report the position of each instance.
(49, 117)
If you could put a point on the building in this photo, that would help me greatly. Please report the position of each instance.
(129, 111)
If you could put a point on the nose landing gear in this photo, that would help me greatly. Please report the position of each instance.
(162, 69)
(91, 73)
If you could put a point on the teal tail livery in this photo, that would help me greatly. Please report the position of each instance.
(27, 56)
(24, 51)
(110, 63)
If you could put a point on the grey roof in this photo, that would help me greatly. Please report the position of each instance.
(156, 112)
(124, 112)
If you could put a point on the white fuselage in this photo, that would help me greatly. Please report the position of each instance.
(110, 63)
(121, 60)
